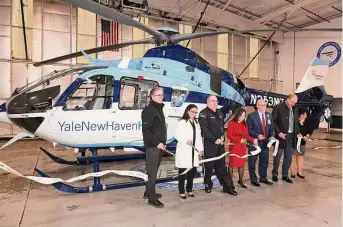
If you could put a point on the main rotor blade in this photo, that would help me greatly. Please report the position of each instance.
(181, 37)
(95, 50)
(112, 14)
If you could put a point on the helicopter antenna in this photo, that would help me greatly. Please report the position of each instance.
(201, 15)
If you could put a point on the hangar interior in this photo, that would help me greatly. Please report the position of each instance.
(35, 30)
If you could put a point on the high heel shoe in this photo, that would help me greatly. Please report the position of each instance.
(183, 196)
(293, 176)
(301, 176)
(241, 184)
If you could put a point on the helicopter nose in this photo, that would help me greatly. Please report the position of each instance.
(4, 118)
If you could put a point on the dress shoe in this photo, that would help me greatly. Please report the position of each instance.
(208, 190)
(183, 196)
(256, 184)
(191, 194)
(301, 176)
(146, 195)
(265, 181)
(241, 184)
(275, 179)
(232, 192)
(287, 180)
(156, 203)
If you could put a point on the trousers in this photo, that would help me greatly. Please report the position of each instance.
(220, 170)
(152, 162)
(287, 157)
(262, 165)
(190, 177)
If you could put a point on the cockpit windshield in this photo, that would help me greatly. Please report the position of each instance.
(55, 75)
(33, 98)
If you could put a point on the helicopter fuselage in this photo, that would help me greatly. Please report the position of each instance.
(102, 107)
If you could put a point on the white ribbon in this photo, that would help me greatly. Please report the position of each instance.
(316, 148)
(298, 144)
(258, 150)
(18, 137)
(276, 146)
(48, 180)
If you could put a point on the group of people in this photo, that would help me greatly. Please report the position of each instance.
(205, 138)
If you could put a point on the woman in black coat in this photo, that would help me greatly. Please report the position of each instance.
(306, 130)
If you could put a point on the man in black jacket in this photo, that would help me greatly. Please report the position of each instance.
(154, 137)
(212, 127)
(285, 116)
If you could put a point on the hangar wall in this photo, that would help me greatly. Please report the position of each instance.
(297, 52)
(54, 29)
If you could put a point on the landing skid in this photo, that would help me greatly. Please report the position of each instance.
(97, 186)
(83, 159)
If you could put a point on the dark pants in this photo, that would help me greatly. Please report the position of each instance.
(211, 151)
(182, 178)
(262, 165)
(287, 157)
(153, 160)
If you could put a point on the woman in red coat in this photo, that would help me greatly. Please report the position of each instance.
(237, 133)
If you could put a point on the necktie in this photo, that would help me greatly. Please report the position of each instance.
(291, 120)
(264, 125)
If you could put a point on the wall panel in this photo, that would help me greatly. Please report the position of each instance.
(5, 85)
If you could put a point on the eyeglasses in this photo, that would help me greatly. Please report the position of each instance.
(159, 95)
(195, 112)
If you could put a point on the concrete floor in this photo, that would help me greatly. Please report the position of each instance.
(316, 201)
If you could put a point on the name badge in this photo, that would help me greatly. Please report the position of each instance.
(269, 122)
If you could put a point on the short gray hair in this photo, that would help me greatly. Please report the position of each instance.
(154, 90)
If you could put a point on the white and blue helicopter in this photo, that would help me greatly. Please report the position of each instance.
(102, 108)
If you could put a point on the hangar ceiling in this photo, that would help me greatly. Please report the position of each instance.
(300, 13)
(236, 14)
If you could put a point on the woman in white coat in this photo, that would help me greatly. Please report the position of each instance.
(188, 135)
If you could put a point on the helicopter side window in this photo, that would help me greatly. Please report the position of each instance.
(94, 93)
(134, 93)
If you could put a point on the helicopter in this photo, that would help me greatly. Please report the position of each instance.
(101, 108)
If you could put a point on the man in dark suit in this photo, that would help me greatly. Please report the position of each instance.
(154, 137)
(261, 126)
(285, 116)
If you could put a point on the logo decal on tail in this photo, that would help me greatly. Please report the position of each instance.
(330, 51)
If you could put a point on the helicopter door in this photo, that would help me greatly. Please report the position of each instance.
(215, 80)
(95, 93)
(133, 98)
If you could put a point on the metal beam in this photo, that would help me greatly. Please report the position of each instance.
(285, 9)
(336, 9)
(316, 8)
(313, 19)
(224, 8)
(309, 11)
(24, 28)
(227, 4)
